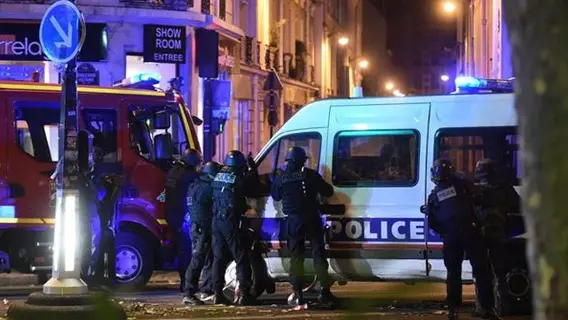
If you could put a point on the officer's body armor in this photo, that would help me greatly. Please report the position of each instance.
(177, 183)
(452, 206)
(498, 201)
(200, 201)
(298, 195)
(227, 191)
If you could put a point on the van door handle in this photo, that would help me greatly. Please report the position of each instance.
(332, 209)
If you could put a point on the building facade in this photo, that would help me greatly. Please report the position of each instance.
(298, 40)
(483, 38)
(295, 38)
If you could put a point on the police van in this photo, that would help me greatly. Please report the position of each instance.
(377, 154)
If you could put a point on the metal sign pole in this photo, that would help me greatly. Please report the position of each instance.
(61, 41)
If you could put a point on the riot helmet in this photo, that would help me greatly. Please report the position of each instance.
(296, 155)
(442, 170)
(235, 158)
(192, 157)
(484, 169)
(211, 168)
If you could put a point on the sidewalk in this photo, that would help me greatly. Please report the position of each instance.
(16, 279)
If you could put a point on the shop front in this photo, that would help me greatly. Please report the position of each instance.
(163, 51)
(21, 54)
(111, 52)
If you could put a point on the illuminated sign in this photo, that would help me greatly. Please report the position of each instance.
(20, 42)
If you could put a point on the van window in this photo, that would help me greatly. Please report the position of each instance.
(37, 130)
(375, 158)
(102, 124)
(465, 146)
(275, 157)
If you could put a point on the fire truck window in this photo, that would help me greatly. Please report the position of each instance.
(102, 124)
(36, 130)
(24, 137)
(177, 130)
(52, 135)
(378, 158)
(179, 135)
(465, 146)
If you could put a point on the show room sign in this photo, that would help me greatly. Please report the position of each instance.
(164, 44)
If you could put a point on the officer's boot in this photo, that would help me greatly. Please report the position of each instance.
(491, 315)
(220, 298)
(245, 299)
(453, 314)
(327, 298)
(296, 299)
(191, 300)
(270, 285)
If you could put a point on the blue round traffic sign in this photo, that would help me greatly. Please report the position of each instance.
(59, 32)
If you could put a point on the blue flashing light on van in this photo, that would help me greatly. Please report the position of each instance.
(466, 84)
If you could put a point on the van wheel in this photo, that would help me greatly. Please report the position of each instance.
(134, 262)
(519, 287)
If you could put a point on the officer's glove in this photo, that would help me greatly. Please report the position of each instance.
(424, 209)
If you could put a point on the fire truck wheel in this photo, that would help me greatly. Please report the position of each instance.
(134, 261)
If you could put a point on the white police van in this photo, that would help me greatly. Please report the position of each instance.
(377, 154)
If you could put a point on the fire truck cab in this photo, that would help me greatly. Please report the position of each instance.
(123, 119)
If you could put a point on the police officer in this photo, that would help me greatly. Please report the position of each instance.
(232, 185)
(200, 203)
(499, 199)
(451, 214)
(298, 189)
(180, 176)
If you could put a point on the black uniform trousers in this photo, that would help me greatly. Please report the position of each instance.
(104, 257)
(469, 242)
(302, 228)
(183, 246)
(207, 272)
(200, 254)
(496, 253)
(227, 237)
(260, 277)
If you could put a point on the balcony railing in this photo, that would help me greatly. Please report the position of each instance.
(248, 54)
(206, 6)
(177, 5)
(27, 1)
(258, 54)
(223, 10)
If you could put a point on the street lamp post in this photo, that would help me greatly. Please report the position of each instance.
(65, 295)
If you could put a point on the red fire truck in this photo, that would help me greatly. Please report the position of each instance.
(124, 118)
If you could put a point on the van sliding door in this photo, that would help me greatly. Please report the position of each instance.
(376, 153)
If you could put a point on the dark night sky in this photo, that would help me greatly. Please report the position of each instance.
(405, 17)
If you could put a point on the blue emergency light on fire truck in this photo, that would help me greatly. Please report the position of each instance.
(146, 81)
(469, 85)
